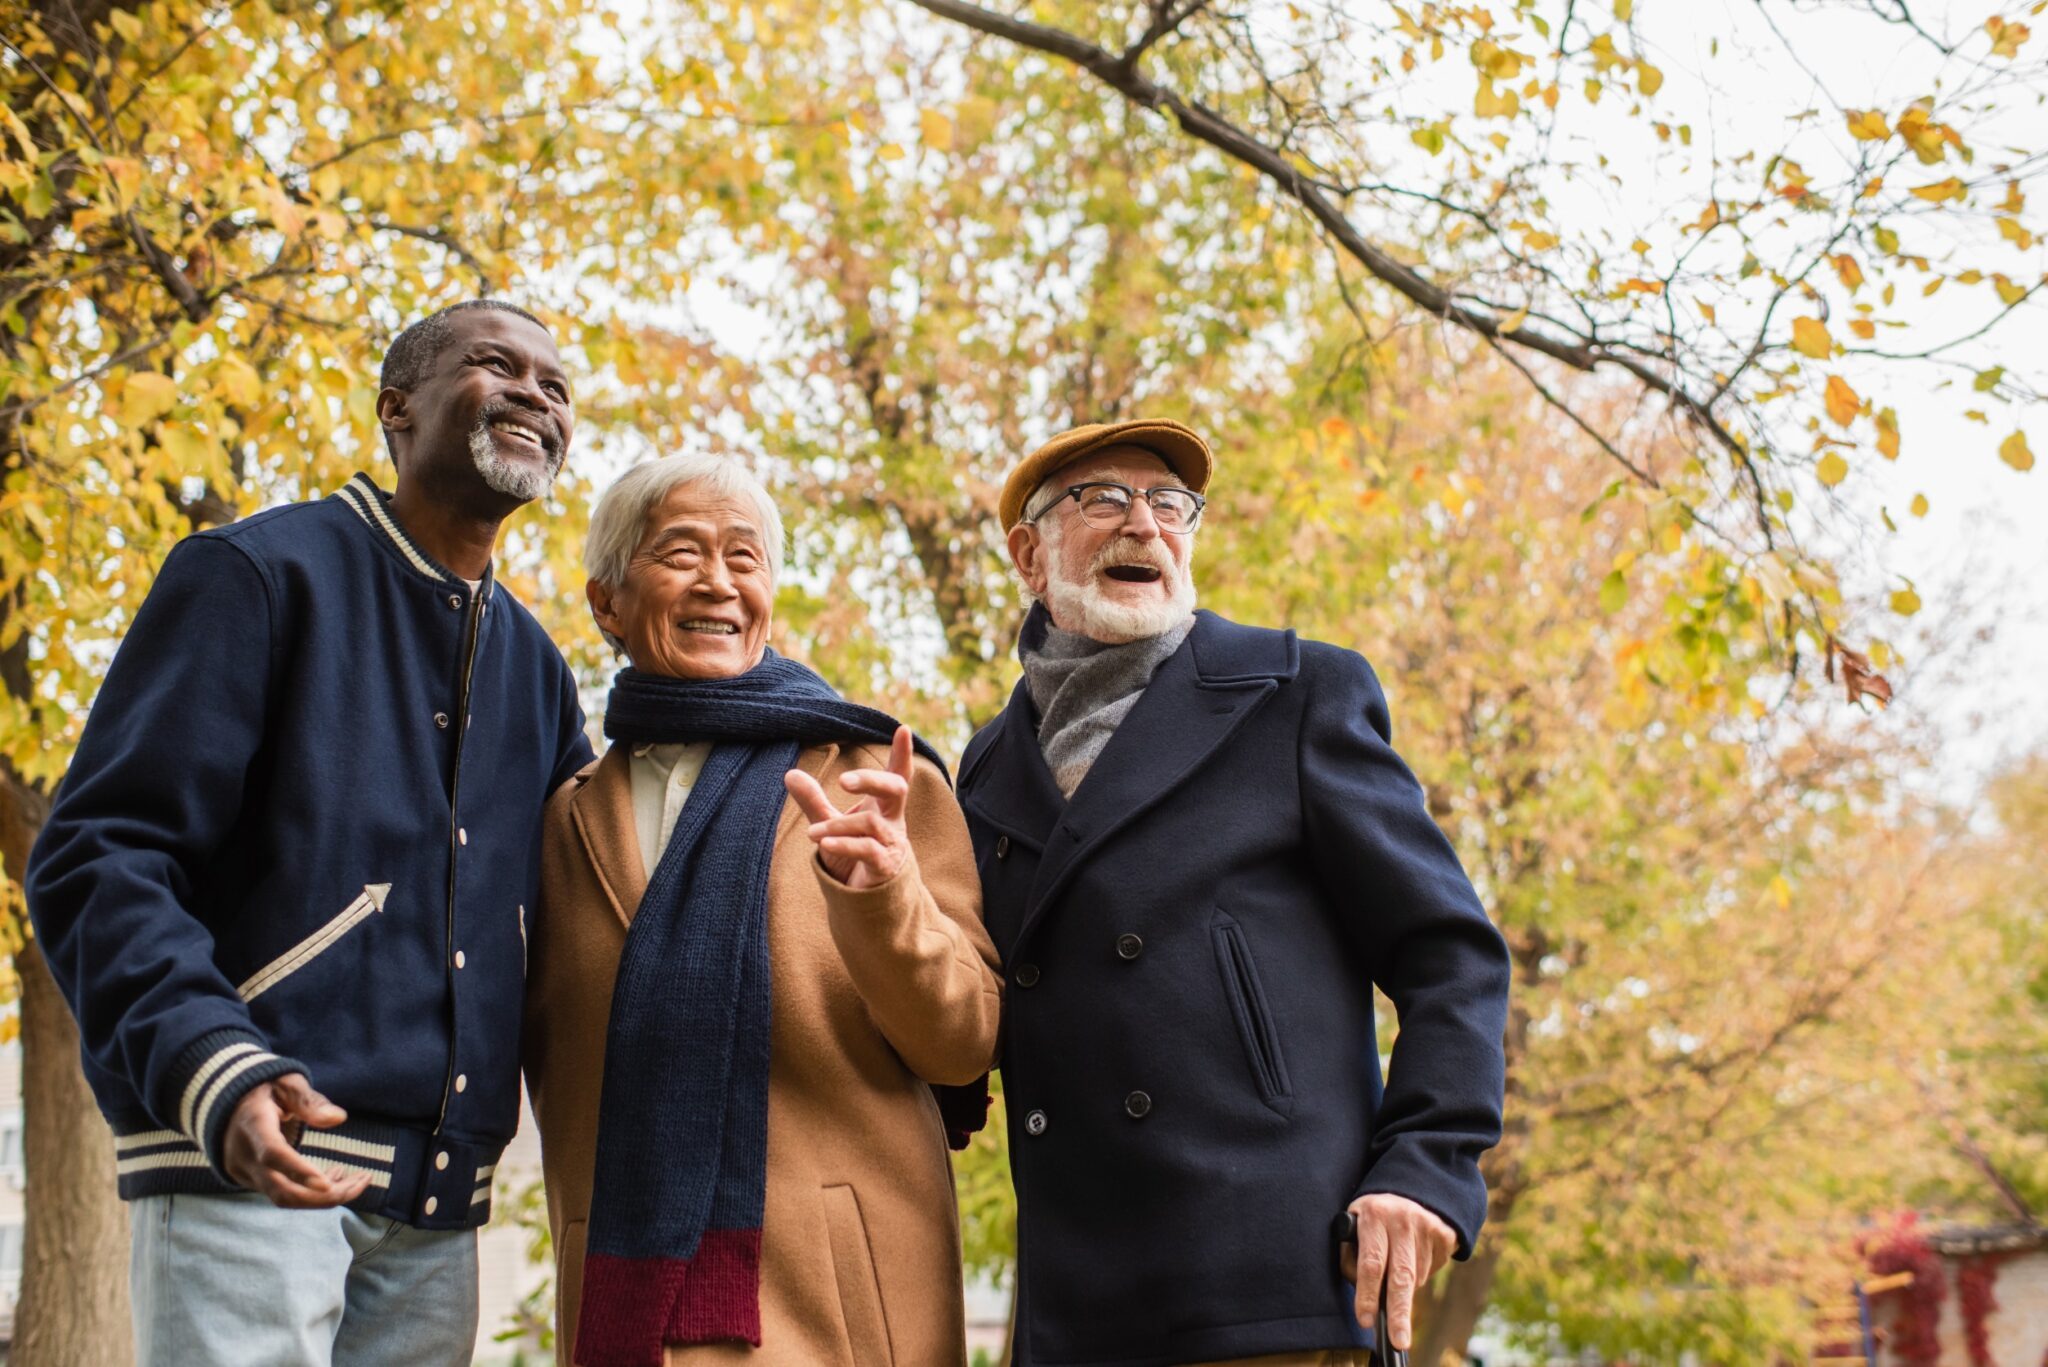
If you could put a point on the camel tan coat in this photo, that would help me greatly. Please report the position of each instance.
(876, 993)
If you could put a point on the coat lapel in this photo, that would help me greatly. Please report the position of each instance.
(1024, 802)
(603, 812)
(1196, 701)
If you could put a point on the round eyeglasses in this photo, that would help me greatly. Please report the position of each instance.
(1105, 504)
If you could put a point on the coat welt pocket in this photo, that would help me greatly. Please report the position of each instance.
(1254, 1017)
(316, 944)
(853, 1270)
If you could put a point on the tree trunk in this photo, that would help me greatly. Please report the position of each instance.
(74, 1273)
(1453, 1312)
(74, 1267)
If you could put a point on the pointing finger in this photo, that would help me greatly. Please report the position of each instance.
(899, 754)
(810, 798)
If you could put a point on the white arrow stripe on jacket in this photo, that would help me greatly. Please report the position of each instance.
(310, 948)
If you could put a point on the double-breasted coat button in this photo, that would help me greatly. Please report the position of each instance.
(1026, 975)
(1034, 1123)
(1137, 1105)
(1129, 946)
(1002, 847)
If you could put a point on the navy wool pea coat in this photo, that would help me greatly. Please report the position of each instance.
(1190, 1069)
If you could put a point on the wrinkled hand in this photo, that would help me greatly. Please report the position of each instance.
(258, 1154)
(867, 844)
(1405, 1244)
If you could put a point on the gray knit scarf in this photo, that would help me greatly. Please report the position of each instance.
(1083, 690)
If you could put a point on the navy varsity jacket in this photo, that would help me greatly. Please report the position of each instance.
(300, 834)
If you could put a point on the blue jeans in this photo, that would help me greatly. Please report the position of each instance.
(233, 1281)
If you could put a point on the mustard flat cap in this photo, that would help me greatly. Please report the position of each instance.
(1186, 454)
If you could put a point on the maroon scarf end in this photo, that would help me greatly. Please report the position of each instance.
(633, 1307)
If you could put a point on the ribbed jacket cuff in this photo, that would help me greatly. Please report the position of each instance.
(209, 1080)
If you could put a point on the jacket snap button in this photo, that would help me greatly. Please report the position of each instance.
(1129, 946)
(1002, 847)
(441, 720)
(441, 1161)
(455, 600)
(1034, 1123)
(433, 1204)
(1027, 975)
(462, 1082)
(461, 835)
(1137, 1105)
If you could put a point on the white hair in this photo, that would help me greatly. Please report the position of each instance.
(620, 518)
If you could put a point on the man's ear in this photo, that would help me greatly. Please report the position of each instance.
(394, 414)
(1028, 554)
(603, 601)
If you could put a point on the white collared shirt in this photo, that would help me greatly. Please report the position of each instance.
(662, 778)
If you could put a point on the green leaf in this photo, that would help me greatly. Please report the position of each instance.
(1613, 592)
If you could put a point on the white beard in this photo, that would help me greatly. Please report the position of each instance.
(522, 482)
(1087, 609)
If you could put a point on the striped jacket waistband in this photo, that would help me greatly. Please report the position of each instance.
(433, 1181)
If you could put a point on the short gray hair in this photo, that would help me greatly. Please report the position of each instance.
(620, 518)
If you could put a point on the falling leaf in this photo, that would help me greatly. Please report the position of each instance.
(2014, 452)
(1832, 469)
(1843, 403)
(1810, 338)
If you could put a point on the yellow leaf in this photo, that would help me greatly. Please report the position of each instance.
(1649, 79)
(238, 380)
(1514, 320)
(1707, 312)
(1849, 271)
(1919, 507)
(1887, 434)
(889, 151)
(1863, 328)
(1624, 10)
(1491, 102)
(1810, 338)
(936, 130)
(2009, 291)
(1539, 241)
(1905, 602)
(1832, 469)
(2014, 452)
(1941, 190)
(2011, 231)
(146, 396)
(1781, 892)
(1868, 125)
(1639, 247)
(1843, 402)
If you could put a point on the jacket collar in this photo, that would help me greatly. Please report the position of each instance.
(602, 812)
(362, 497)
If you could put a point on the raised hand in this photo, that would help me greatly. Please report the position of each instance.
(868, 843)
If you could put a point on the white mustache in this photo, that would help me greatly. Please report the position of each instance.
(1125, 550)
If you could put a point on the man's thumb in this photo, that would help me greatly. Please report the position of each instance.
(301, 1102)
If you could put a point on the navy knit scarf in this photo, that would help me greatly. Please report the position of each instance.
(674, 1242)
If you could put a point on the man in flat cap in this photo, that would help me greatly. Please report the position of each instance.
(1199, 853)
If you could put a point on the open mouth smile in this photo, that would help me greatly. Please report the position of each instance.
(522, 436)
(1134, 574)
(710, 628)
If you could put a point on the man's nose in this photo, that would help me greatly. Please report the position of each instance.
(524, 389)
(1139, 523)
(715, 580)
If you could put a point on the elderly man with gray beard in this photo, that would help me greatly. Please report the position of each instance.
(1199, 854)
(295, 849)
